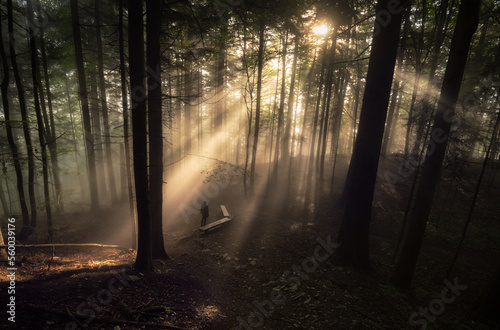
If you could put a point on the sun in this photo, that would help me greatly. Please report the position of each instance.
(321, 30)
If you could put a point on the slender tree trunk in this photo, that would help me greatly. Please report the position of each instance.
(123, 83)
(96, 130)
(388, 133)
(10, 136)
(310, 167)
(140, 145)
(411, 111)
(104, 106)
(260, 65)
(82, 85)
(25, 120)
(38, 111)
(306, 107)
(188, 90)
(466, 25)
(340, 87)
(360, 182)
(279, 131)
(49, 122)
(285, 150)
(336, 127)
(220, 90)
(155, 122)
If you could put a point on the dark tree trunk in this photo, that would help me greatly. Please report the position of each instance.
(104, 106)
(465, 27)
(316, 112)
(260, 65)
(220, 90)
(281, 109)
(50, 123)
(82, 86)
(306, 107)
(25, 120)
(123, 83)
(95, 114)
(428, 103)
(387, 141)
(38, 111)
(360, 182)
(285, 149)
(10, 136)
(188, 91)
(140, 145)
(155, 122)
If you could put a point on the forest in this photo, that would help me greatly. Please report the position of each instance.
(237, 164)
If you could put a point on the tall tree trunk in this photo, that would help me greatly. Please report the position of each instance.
(321, 155)
(38, 111)
(10, 136)
(411, 118)
(188, 91)
(281, 109)
(466, 25)
(386, 142)
(140, 144)
(123, 83)
(50, 124)
(155, 122)
(260, 65)
(310, 167)
(82, 85)
(306, 107)
(428, 103)
(104, 106)
(220, 90)
(285, 149)
(360, 182)
(95, 114)
(25, 120)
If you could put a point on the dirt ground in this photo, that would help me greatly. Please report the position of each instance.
(271, 267)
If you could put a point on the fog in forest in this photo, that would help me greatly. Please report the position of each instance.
(224, 164)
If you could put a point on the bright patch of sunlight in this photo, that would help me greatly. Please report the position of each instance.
(209, 312)
(321, 30)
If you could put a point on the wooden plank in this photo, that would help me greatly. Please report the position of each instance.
(215, 224)
(225, 212)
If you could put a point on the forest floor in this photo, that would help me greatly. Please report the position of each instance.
(256, 271)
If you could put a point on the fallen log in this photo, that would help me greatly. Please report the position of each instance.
(67, 245)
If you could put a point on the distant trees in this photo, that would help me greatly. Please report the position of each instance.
(82, 87)
(8, 126)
